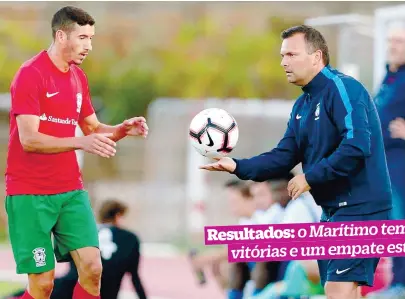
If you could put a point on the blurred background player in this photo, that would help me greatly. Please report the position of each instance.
(252, 204)
(120, 254)
(295, 278)
(390, 102)
(241, 206)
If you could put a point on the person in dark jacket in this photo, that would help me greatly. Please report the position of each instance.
(390, 102)
(334, 131)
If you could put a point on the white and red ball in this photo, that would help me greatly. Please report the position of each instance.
(214, 133)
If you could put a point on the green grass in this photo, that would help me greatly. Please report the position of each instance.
(7, 287)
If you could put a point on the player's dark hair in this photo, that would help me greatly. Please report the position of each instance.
(65, 18)
(239, 185)
(109, 209)
(314, 39)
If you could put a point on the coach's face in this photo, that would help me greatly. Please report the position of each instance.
(77, 43)
(298, 64)
(396, 47)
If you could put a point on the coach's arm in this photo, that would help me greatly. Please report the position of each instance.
(278, 161)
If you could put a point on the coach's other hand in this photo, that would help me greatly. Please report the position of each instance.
(297, 186)
(99, 144)
(222, 164)
(397, 128)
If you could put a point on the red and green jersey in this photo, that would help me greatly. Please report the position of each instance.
(60, 100)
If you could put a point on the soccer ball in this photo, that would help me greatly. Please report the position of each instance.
(214, 133)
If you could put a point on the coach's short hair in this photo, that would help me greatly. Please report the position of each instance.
(314, 39)
(110, 208)
(65, 18)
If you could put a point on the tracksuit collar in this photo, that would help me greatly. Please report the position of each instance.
(401, 69)
(318, 82)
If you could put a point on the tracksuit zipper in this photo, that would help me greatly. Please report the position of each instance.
(304, 116)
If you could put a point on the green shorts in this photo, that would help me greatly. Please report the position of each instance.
(32, 219)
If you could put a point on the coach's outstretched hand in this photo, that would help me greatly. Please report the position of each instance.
(221, 164)
(99, 144)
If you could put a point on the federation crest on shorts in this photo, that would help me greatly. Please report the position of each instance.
(39, 256)
(79, 100)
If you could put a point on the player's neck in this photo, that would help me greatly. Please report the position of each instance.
(57, 58)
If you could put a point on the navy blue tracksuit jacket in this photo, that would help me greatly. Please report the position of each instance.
(334, 131)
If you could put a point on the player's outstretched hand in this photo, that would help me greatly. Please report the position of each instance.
(99, 144)
(136, 126)
(221, 164)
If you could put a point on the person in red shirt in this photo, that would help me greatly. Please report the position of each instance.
(45, 196)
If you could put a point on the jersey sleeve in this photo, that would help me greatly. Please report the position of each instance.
(87, 106)
(25, 92)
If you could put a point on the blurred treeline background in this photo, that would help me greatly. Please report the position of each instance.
(143, 51)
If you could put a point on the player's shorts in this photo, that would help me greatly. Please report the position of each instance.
(360, 270)
(32, 219)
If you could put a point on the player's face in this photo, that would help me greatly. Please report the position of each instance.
(298, 64)
(396, 47)
(77, 44)
(262, 195)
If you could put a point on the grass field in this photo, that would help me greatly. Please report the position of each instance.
(8, 287)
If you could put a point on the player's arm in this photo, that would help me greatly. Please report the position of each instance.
(135, 126)
(35, 142)
(349, 112)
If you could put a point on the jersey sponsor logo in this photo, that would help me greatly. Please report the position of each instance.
(79, 100)
(63, 121)
(107, 245)
(39, 256)
(50, 95)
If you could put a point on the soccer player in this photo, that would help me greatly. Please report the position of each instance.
(44, 189)
(335, 132)
(390, 102)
